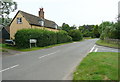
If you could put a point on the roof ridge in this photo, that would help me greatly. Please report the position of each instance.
(28, 13)
(34, 20)
(34, 15)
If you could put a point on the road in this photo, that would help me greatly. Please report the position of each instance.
(56, 63)
(97, 48)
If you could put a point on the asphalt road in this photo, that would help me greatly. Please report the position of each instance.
(55, 63)
(97, 48)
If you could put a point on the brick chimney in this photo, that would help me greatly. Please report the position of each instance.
(41, 13)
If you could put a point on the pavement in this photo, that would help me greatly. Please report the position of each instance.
(56, 63)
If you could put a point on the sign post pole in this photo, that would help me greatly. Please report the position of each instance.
(33, 41)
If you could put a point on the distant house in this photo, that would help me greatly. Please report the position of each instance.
(25, 20)
(4, 33)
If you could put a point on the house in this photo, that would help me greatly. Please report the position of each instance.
(4, 33)
(25, 20)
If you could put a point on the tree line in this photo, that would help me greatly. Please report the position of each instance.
(106, 30)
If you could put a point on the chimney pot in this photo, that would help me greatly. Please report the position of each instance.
(41, 13)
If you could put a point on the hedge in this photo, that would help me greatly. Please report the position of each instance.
(43, 37)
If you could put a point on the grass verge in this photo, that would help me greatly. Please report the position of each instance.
(98, 66)
(88, 38)
(4, 46)
(103, 43)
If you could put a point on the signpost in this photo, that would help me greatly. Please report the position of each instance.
(33, 41)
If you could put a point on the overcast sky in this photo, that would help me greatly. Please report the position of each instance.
(78, 12)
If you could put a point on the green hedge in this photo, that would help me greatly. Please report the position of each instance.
(44, 37)
(76, 35)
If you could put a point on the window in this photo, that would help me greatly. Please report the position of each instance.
(56, 26)
(19, 20)
(41, 23)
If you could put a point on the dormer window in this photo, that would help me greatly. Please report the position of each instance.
(55, 26)
(19, 20)
(41, 23)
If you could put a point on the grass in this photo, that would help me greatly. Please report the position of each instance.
(1, 49)
(4, 46)
(98, 66)
(88, 38)
(0, 45)
(103, 43)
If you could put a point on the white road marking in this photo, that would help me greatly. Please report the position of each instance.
(9, 68)
(96, 49)
(92, 48)
(48, 54)
(74, 42)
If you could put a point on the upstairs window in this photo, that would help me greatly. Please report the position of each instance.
(19, 20)
(41, 23)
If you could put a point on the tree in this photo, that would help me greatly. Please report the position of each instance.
(103, 25)
(87, 30)
(73, 27)
(75, 34)
(95, 32)
(65, 27)
(6, 7)
(111, 30)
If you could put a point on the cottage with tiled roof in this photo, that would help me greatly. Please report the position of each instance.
(25, 20)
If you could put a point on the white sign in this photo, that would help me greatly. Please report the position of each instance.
(33, 40)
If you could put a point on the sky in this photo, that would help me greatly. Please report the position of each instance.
(72, 12)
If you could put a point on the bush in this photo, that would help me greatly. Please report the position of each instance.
(76, 35)
(43, 37)
(62, 37)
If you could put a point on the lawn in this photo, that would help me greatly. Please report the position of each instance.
(103, 43)
(98, 66)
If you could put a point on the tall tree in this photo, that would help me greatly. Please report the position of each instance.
(6, 7)
(65, 27)
(96, 33)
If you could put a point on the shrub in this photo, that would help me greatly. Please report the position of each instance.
(76, 35)
(43, 37)
(62, 37)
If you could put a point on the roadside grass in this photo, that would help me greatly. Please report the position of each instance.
(88, 38)
(4, 46)
(103, 43)
(0, 45)
(98, 66)
(1, 49)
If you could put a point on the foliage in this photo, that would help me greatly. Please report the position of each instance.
(95, 33)
(67, 28)
(43, 37)
(6, 21)
(108, 43)
(109, 30)
(103, 25)
(75, 34)
(63, 37)
(87, 30)
(6, 6)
